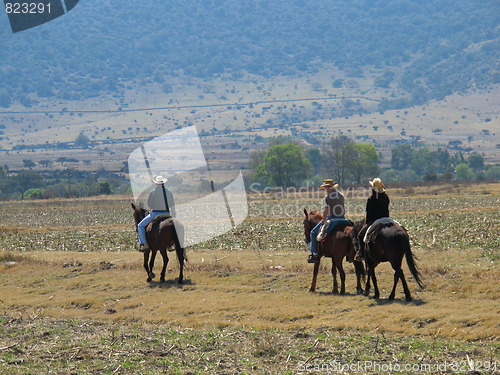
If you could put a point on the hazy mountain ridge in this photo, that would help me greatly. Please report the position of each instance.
(429, 48)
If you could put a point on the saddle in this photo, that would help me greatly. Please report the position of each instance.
(154, 226)
(372, 231)
(324, 232)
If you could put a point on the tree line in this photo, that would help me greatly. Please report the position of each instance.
(285, 164)
(28, 184)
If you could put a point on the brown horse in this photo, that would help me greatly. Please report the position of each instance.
(161, 239)
(337, 245)
(391, 244)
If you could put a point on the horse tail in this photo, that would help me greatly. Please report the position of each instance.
(181, 255)
(360, 270)
(410, 260)
(179, 249)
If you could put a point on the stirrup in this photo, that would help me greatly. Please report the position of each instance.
(313, 258)
(358, 257)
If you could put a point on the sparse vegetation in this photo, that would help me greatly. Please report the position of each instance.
(74, 296)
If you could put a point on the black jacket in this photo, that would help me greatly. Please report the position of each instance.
(377, 206)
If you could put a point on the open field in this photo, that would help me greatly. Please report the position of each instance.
(74, 297)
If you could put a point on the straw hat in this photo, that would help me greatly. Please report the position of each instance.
(377, 185)
(329, 183)
(160, 180)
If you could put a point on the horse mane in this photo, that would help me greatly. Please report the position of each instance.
(315, 215)
(357, 226)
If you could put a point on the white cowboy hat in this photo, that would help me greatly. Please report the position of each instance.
(160, 180)
(377, 185)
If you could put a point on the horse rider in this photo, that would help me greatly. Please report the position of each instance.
(161, 202)
(334, 213)
(377, 206)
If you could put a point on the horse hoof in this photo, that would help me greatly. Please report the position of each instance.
(360, 291)
(180, 282)
(312, 290)
(149, 279)
(366, 293)
(162, 280)
(409, 299)
(152, 275)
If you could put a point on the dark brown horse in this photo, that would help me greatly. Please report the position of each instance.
(391, 244)
(337, 245)
(161, 239)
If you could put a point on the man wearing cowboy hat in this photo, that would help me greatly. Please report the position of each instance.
(377, 206)
(334, 212)
(161, 202)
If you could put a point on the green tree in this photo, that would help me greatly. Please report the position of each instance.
(104, 188)
(28, 163)
(82, 141)
(45, 162)
(408, 175)
(423, 161)
(463, 172)
(493, 173)
(283, 165)
(339, 152)
(35, 193)
(401, 157)
(475, 161)
(390, 176)
(315, 158)
(28, 180)
(62, 159)
(365, 161)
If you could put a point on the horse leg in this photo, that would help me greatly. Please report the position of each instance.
(358, 267)
(405, 287)
(334, 275)
(368, 278)
(180, 256)
(151, 275)
(164, 255)
(376, 295)
(397, 273)
(181, 266)
(315, 276)
(146, 267)
(340, 268)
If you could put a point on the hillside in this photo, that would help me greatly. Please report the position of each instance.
(429, 49)
(236, 117)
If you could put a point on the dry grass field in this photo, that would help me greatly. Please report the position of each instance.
(74, 297)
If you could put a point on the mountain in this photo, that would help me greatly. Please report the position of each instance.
(428, 48)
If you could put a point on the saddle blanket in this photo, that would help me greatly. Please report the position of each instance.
(154, 226)
(372, 229)
(329, 225)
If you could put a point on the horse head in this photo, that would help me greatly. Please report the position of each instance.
(356, 228)
(139, 214)
(312, 218)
